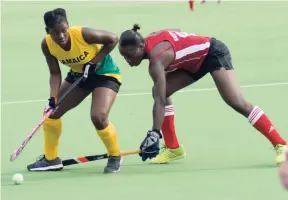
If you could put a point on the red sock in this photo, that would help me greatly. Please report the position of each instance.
(261, 122)
(191, 4)
(168, 128)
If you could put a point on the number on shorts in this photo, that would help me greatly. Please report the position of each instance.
(177, 35)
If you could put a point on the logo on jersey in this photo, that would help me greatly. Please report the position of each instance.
(75, 60)
(178, 35)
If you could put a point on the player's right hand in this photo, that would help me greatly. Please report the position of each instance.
(92, 67)
(150, 145)
(50, 105)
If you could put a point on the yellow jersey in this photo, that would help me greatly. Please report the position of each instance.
(79, 53)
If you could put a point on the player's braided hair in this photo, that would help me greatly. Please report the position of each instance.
(131, 37)
(53, 17)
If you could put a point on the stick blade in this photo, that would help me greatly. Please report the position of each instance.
(13, 157)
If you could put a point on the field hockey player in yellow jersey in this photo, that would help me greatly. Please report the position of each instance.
(77, 47)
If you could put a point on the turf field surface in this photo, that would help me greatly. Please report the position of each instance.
(226, 158)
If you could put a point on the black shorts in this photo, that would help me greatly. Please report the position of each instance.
(217, 57)
(94, 81)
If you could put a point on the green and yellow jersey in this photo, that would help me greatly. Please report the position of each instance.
(81, 53)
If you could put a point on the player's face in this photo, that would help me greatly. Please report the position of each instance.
(60, 33)
(132, 54)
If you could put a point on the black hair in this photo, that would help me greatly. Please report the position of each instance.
(131, 37)
(53, 17)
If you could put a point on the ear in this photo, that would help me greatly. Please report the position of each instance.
(142, 45)
(67, 23)
(47, 30)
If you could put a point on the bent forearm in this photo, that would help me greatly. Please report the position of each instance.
(55, 83)
(106, 49)
(158, 114)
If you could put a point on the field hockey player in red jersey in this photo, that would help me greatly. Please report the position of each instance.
(176, 60)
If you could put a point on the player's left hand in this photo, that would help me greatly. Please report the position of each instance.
(150, 145)
(284, 172)
(50, 105)
(89, 68)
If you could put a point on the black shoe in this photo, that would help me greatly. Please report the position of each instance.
(42, 165)
(113, 164)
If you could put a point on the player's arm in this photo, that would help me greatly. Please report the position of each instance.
(157, 65)
(54, 69)
(158, 75)
(107, 39)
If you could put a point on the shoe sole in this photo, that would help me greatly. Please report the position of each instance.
(111, 172)
(49, 168)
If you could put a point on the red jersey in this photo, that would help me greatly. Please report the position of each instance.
(190, 50)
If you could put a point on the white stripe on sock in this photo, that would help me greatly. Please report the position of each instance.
(252, 113)
(255, 114)
(169, 110)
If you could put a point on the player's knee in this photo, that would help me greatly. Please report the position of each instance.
(169, 93)
(168, 100)
(241, 106)
(99, 120)
(153, 92)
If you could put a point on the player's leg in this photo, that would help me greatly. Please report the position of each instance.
(229, 88)
(172, 150)
(52, 128)
(103, 97)
(191, 4)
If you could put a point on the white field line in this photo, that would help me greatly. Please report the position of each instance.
(149, 93)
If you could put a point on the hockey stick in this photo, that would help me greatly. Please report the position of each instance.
(84, 159)
(49, 112)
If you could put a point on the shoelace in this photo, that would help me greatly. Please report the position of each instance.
(162, 148)
(111, 161)
(40, 158)
(279, 149)
(166, 153)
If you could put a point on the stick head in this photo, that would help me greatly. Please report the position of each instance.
(17, 152)
(13, 157)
